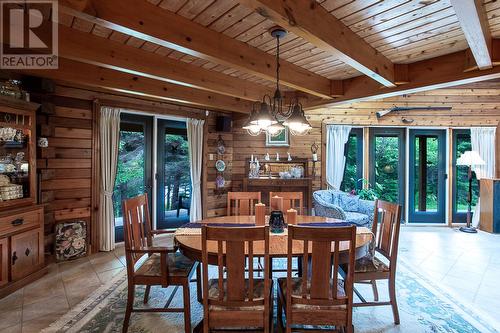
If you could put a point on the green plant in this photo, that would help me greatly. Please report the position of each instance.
(366, 192)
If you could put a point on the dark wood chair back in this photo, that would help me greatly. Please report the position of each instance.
(136, 226)
(232, 245)
(242, 203)
(320, 278)
(386, 226)
(293, 200)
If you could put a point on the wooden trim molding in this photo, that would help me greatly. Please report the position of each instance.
(96, 178)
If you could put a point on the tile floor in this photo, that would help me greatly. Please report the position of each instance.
(466, 265)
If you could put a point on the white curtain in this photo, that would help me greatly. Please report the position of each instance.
(336, 138)
(110, 137)
(195, 142)
(483, 141)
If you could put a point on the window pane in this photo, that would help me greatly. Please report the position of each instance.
(463, 144)
(351, 170)
(177, 178)
(386, 167)
(130, 176)
(426, 173)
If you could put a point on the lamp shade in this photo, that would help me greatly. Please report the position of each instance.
(469, 158)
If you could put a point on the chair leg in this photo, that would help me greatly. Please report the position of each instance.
(199, 294)
(128, 310)
(279, 316)
(187, 307)
(394, 303)
(146, 294)
(375, 291)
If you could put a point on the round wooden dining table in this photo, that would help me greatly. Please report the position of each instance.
(188, 239)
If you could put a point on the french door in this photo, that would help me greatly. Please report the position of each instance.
(387, 164)
(427, 177)
(173, 177)
(133, 175)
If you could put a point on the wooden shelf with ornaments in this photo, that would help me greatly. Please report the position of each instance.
(280, 176)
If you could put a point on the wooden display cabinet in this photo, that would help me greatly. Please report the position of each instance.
(21, 219)
(269, 180)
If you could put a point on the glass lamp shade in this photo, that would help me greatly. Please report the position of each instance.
(297, 122)
(264, 118)
(275, 129)
(252, 128)
(469, 158)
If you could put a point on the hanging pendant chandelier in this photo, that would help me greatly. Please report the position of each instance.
(272, 115)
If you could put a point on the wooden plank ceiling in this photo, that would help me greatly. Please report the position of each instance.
(224, 47)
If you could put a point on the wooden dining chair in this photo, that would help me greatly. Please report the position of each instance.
(242, 203)
(320, 296)
(236, 302)
(293, 200)
(162, 266)
(386, 226)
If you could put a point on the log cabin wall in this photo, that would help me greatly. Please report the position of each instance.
(66, 167)
(215, 199)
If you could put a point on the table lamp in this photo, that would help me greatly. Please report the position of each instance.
(470, 158)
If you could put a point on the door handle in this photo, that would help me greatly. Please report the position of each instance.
(14, 258)
(27, 252)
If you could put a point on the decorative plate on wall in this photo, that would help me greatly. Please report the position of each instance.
(219, 181)
(220, 165)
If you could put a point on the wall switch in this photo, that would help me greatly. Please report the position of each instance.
(211, 157)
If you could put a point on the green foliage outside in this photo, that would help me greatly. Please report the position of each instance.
(130, 173)
(177, 172)
(386, 172)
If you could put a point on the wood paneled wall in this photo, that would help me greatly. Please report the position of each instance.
(66, 167)
(215, 200)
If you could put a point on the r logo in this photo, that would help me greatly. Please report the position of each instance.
(28, 34)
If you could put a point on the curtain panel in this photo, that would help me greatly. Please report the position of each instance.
(483, 141)
(336, 138)
(110, 137)
(195, 143)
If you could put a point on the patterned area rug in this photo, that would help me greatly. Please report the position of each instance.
(423, 307)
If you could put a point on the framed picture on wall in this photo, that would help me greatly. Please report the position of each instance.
(281, 140)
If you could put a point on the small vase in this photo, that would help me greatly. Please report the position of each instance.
(276, 222)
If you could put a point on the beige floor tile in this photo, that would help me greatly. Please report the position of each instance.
(37, 324)
(54, 306)
(11, 301)
(111, 263)
(43, 289)
(10, 317)
(107, 275)
(12, 329)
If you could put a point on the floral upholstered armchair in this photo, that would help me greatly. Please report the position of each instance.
(344, 206)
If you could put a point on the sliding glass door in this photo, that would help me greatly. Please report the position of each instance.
(133, 176)
(173, 175)
(461, 144)
(353, 152)
(427, 178)
(387, 163)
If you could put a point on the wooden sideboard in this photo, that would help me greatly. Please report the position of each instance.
(490, 205)
(269, 181)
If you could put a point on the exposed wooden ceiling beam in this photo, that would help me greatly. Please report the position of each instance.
(474, 23)
(94, 76)
(309, 20)
(88, 48)
(435, 73)
(146, 21)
